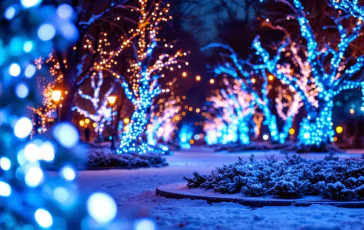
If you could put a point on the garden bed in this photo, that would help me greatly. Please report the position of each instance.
(103, 158)
(286, 147)
(295, 177)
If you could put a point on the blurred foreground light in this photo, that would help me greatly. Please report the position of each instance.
(144, 224)
(265, 137)
(47, 151)
(61, 194)
(28, 46)
(5, 163)
(21, 90)
(31, 152)
(34, 177)
(65, 11)
(14, 70)
(43, 218)
(23, 127)
(66, 135)
(30, 3)
(69, 31)
(101, 207)
(68, 173)
(46, 32)
(30, 71)
(5, 189)
(9, 13)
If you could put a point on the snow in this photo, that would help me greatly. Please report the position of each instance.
(134, 192)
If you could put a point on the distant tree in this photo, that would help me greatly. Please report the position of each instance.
(100, 113)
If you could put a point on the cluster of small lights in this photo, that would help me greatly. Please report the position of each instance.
(43, 114)
(238, 69)
(33, 198)
(89, 45)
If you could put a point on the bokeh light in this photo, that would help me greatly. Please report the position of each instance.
(101, 207)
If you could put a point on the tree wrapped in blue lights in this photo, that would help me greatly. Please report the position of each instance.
(255, 81)
(31, 197)
(100, 112)
(233, 111)
(151, 56)
(327, 72)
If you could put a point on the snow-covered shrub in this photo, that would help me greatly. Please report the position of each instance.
(289, 189)
(104, 157)
(292, 178)
(336, 191)
(196, 181)
(254, 189)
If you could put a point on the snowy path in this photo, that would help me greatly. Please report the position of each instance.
(136, 188)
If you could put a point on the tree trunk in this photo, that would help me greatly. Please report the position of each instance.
(316, 129)
(130, 140)
(67, 103)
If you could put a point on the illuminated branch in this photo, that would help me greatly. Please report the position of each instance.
(350, 6)
(100, 113)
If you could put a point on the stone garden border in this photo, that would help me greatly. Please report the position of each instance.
(180, 191)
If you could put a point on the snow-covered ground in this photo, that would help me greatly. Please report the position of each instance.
(134, 192)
